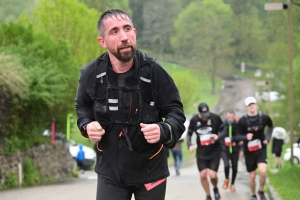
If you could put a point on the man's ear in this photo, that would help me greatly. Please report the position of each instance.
(102, 42)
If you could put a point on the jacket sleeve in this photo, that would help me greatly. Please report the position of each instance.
(241, 134)
(270, 130)
(190, 133)
(223, 132)
(170, 107)
(83, 100)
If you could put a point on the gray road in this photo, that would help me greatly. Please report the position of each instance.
(185, 186)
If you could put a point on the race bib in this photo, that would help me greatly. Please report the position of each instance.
(254, 145)
(206, 140)
(228, 142)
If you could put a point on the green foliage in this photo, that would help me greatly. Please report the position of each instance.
(137, 11)
(250, 38)
(103, 5)
(31, 175)
(158, 24)
(211, 21)
(10, 10)
(46, 180)
(13, 79)
(73, 22)
(193, 86)
(278, 62)
(186, 83)
(289, 188)
(47, 64)
(11, 180)
(297, 90)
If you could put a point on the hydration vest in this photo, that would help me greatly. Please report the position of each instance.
(254, 128)
(110, 110)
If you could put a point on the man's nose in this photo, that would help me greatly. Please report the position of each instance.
(123, 36)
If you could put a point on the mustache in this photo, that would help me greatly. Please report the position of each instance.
(125, 45)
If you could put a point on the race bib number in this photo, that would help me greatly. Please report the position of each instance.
(228, 142)
(206, 139)
(254, 145)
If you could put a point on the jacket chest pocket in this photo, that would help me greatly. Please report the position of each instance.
(149, 114)
(100, 106)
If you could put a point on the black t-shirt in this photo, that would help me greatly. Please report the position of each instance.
(277, 145)
(225, 133)
(255, 125)
(201, 127)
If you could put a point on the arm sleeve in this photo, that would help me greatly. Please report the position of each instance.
(170, 107)
(190, 133)
(270, 130)
(223, 132)
(241, 133)
(83, 101)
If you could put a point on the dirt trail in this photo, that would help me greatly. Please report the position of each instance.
(233, 94)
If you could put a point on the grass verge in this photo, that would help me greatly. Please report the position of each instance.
(286, 181)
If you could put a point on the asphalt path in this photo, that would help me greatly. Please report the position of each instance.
(185, 186)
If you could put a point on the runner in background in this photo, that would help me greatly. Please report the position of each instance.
(230, 149)
(278, 135)
(206, 125)
(177, 156)
(251, 128)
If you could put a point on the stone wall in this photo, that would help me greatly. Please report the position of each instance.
(52, 161)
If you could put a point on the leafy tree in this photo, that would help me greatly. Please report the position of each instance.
(48, 65)
(103, 5)
(137, 15)
(72, 21)
(278, 62)
(13, 84)
(203, 33)
(158, 24)
(10, 10)
(240, 7)
(250, 38)
(13, 80)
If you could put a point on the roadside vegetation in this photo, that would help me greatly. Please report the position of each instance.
(286, 181)
(45, 43)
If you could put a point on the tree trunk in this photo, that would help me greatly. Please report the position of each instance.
(213, 76)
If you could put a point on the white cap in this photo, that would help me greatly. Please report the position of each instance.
(249, 100)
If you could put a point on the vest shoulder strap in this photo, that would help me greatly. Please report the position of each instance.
(145, 83)
(259, 119)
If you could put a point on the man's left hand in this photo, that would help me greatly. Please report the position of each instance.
(265, 142)
(151, 132)
(215, 137)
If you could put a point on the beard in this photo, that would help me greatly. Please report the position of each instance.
(126, 56)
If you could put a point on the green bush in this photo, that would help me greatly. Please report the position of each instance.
(11, 180)
(31, 175)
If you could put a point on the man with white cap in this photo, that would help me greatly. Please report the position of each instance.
(251, 128)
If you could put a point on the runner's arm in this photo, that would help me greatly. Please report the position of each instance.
(241, 134)
(190, 133)
(170, 107)
(270, 128)
(223, 132)
(83, 101)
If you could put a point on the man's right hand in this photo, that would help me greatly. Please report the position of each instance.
(249, 136)
(191, 148)
(95, 131)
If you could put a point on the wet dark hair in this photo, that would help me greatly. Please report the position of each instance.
(231, 112)
(118, 14)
